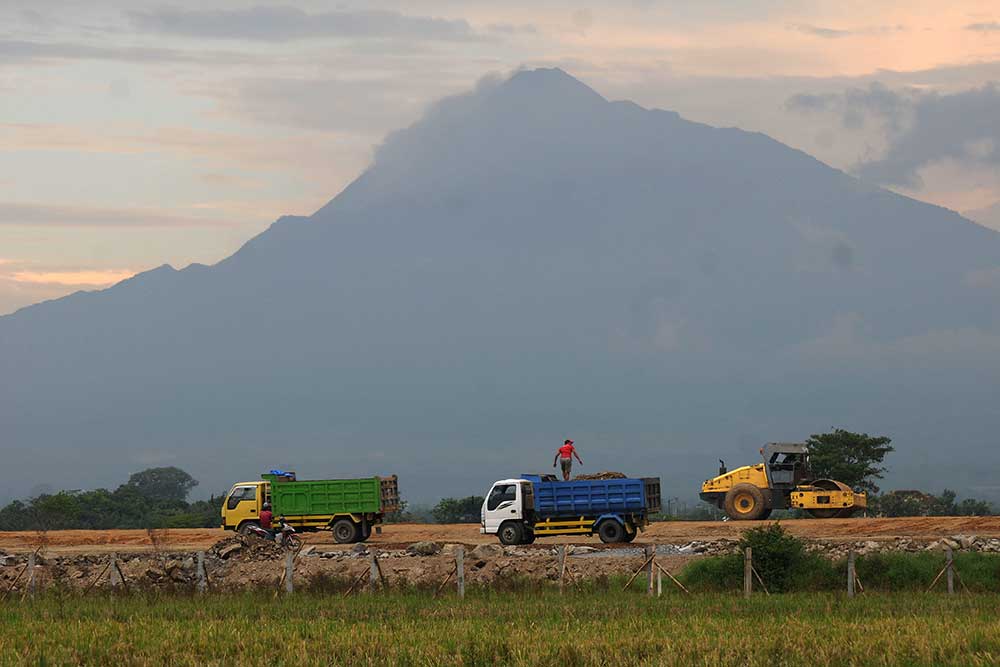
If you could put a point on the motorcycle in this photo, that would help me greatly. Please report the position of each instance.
(286, 535)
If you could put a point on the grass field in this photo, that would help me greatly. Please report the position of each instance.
(581, 628)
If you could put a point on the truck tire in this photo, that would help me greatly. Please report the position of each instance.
(510, 533)
(363, 534)
(244, 528)
(529, 536)
(610, 531)
(345, 531)
(631, 532)
(745, 502)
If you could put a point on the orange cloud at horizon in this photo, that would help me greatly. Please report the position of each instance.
(91, 278)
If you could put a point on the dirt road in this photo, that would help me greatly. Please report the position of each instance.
(399, 535)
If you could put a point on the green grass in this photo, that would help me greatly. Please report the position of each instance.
(607, 627)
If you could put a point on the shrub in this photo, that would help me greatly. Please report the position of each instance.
(780, 559)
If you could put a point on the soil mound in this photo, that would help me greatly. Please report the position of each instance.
(607, 474)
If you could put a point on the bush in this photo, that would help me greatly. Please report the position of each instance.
(780, 559)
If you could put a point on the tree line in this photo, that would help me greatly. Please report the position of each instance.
(157, 497)
(152, 498)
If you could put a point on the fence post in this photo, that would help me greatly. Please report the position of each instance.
(561, 550)
(850, 573)
(372, 570)
(202, 584)
(949, 564)
(31, 574)
(289, 571)
(650, 552)
(659, 582)
(116, 575)
(460, 570)
(747, 572)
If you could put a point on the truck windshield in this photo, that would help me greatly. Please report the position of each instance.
(501, 493)
(239, 494)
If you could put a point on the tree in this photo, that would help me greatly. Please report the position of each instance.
(458, 510)
(851, 458)
(168, 484)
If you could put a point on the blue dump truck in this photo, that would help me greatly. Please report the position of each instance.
(521, 509)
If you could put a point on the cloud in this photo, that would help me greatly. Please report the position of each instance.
(836, 33)
(963, 126)
(512, 29)
(92, 278)
(26, 282)
(85, 216)
(223, 150)
(280, 24)
(818, 31)
(809, 102)
(330, 104)
(920, 127)
(857, 105)
(20, 51)
(992, 26)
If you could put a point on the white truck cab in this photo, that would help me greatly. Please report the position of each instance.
(508, 507)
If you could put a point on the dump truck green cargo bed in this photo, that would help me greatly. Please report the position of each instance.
(325, 497)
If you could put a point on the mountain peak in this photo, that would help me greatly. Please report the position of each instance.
(550, 83)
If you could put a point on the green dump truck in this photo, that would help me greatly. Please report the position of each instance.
(349, 508)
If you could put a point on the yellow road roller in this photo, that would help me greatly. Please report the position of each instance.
(782, 481)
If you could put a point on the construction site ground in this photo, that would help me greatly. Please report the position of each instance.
(398, 536)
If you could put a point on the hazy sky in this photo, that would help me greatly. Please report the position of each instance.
(136, 133)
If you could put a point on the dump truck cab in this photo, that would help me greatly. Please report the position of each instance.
(243, 504)
(508, 500)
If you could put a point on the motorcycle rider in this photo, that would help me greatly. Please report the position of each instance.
(266, 518)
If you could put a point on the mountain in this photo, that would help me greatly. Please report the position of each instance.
(988, 216)
(526, 263)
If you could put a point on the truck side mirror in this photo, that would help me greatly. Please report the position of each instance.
(722, 467)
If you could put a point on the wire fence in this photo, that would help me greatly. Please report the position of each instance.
(370, 578)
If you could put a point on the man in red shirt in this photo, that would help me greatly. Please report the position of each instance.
(265, 518)
(565, 457)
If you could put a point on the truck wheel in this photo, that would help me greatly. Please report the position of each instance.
(529, 536)
(630, 533)
(345, 531)
(610, 531)
(246, 526)
(363, 534)
(745, 502)
(510, 533)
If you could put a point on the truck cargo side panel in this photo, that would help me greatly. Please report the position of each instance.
(327, 497)
(589, 497)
